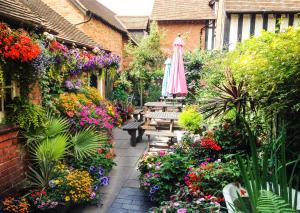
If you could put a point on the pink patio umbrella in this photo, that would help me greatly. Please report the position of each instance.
(177, 83)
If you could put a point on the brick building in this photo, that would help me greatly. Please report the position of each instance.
(192, 19)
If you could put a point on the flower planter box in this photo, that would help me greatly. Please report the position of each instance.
(231, 191)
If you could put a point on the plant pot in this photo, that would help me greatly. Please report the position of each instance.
(179, 135)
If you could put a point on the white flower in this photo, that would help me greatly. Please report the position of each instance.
(199, 201)
(176, 204)
(49, 36)
(96, 50)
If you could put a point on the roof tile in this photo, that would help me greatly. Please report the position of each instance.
(182, 10)
(134, 22)
(262, 5)
(66, 30)
(15, 10)
(103, 13)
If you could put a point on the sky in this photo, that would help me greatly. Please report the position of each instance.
(129, 7)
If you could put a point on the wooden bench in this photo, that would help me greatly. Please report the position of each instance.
(137, 113)
(167, 134)
(131, 128)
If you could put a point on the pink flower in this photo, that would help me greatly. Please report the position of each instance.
(93, 195)
(81, 123)
(162, 153)
(181, 211)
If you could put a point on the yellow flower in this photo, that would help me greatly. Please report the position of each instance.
(56, 182)
(67, 198)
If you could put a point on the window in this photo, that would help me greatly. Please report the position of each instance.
(97, 82)
(8, 91)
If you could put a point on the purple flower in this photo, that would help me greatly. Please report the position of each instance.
(156, 187)
(101, 171)
(95, 188)
(78, 84)
(92, 169)
(69, 84)
(104, 181)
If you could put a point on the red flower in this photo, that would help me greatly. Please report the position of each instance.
(209, 143)
(17, 45)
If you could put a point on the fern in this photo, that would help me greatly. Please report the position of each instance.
(269, 202)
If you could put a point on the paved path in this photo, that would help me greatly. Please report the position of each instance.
(122, 195)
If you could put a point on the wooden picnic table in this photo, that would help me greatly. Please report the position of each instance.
(163, 105)
(169, 116)
(176, 99)
(138, 114)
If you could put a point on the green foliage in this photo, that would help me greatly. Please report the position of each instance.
(201, 84)
(50, 143)
(26, 114)
(269, 202)
(258, 172)
(86, 142)
(145, 59)
(230, 96)
(161, 173)
(269, 65)
(50, 149)
(190, 119)
(154, 93)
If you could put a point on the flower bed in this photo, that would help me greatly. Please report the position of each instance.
(190, 176)
(69, 137)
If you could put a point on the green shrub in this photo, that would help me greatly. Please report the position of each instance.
(26, 114)
(269, 65)
(190, 119)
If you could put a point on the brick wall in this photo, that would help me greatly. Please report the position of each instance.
(102, 33)
(12, 166)
(35, 94)
(190, 30)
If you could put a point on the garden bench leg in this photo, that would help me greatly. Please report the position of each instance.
(141, 117)
(140, 135)
(135, 116)
(132, 134)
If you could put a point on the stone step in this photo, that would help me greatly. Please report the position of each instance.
(157, 149)
(159, 144)
(161, 133)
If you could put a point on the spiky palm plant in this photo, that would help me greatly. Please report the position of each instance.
(231, 96)
(51, 143)
(86, 142)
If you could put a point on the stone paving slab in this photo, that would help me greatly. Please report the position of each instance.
(122, 195)
(130, 200)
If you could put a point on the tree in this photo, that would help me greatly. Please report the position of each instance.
(145, 59)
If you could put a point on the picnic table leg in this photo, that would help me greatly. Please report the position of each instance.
(140, 134)
(141, 117)
(132, 134)
(171, 125)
